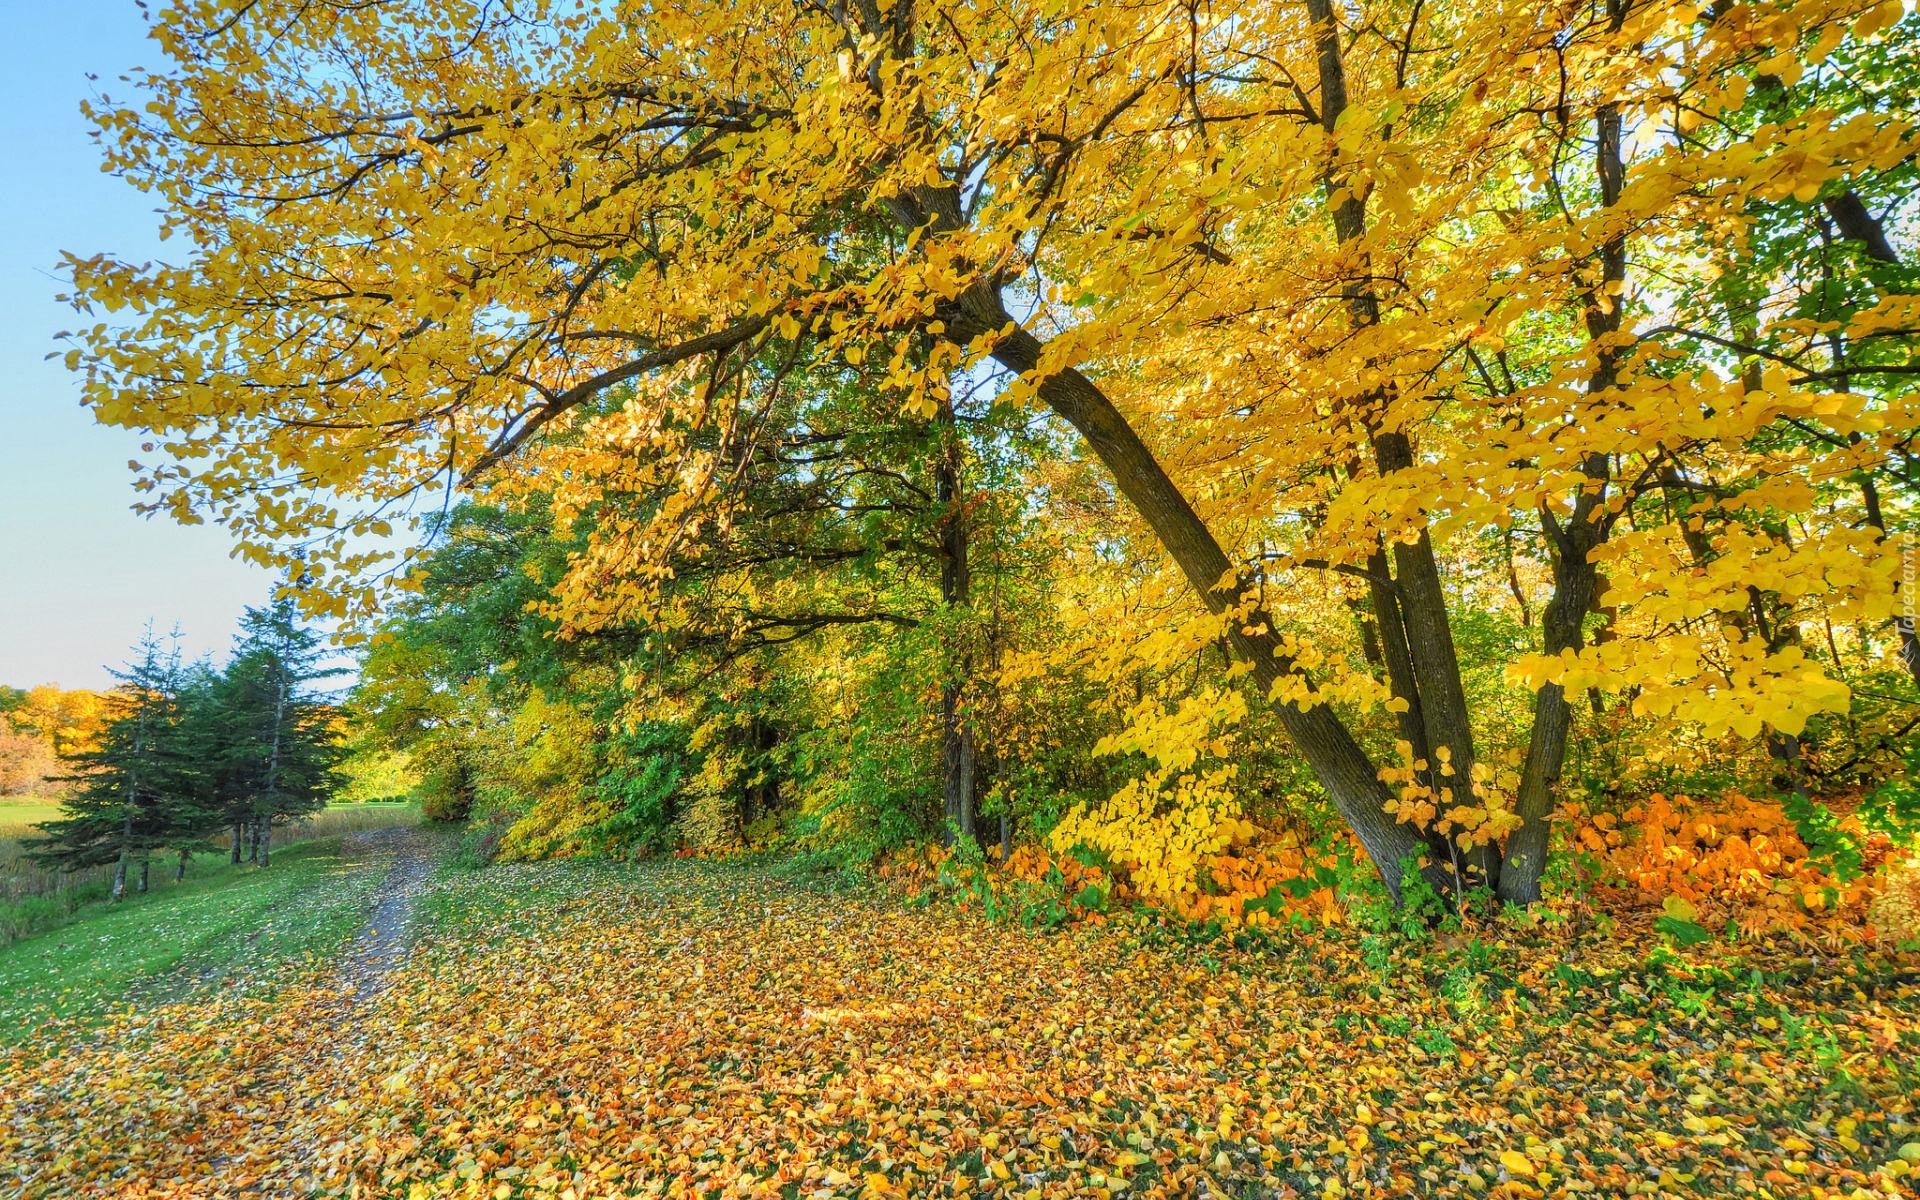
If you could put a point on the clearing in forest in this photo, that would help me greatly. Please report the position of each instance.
(578, 1030)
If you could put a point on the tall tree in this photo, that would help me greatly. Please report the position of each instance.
(1318, 286)
(127, 786)
(275, 745)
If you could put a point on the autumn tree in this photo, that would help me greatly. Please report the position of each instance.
(37, 726)
(1320, 288)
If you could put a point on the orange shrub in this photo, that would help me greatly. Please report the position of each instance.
(1737, 859)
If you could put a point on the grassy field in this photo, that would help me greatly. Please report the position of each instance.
(33, 900)
(238, 926)
(19, 816)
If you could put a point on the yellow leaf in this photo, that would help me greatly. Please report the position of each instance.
(1516, 1163)
(1680, 909)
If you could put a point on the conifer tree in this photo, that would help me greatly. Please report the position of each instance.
(195, 805)
(123, 802)
(273, 749)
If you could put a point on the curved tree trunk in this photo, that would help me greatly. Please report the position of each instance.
(1343, 768)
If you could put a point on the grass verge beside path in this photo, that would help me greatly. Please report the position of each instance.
(239, 925)
(34, 900)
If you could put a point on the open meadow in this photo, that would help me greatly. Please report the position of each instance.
(34, 898)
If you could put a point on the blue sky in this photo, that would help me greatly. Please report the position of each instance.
(80, 574)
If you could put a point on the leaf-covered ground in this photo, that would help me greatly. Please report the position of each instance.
(686, 1029)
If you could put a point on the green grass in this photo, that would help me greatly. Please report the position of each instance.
(233, 926)
(17, 817)
(33, 899)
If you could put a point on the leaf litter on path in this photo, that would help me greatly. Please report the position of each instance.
(684, 1029)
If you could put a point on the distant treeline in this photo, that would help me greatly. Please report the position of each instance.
(37, 725)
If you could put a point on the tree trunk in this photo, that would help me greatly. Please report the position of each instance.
(264, 845)
(1576, 580)
(1858, 224)
(253, 841)
(763, 798)
(120, 868)
(1784, 748)
(1436, 723)
(1850, 213)
(1369, 628)
(234, 851)
(1903, 615)
(1402, 680)
(1398, 659)
(1441, 697)
(956, 587)
(145, 864)
(133, 802)
(1343, 768)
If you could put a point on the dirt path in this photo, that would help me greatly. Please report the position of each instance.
(384, 940)
(280, 1158)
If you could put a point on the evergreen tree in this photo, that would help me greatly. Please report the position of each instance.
(126, 789)
(273, 748)
(195, 806)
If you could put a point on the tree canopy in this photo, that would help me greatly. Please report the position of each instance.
(1379, 319)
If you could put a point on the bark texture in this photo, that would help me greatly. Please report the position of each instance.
(959, 792)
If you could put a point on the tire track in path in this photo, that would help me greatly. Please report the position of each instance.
(384, 940)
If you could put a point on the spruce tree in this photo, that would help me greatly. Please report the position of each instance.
(122, 802)
(275, 752)
(195, 804)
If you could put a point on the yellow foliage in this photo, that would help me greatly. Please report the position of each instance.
(1896, 909)
(618, 218)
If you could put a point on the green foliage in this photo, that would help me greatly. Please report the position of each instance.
(1831, 847)
(185, 752)
(1371, 907)
(270, 736)
(1894, 808)
(446, 787)
(1681, 931)
(645, 789)
(369, 775)
(140, 787)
